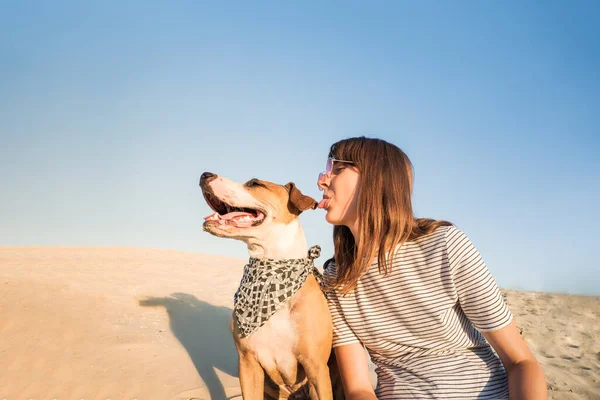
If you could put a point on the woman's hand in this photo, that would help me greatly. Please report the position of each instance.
(525, 376)
(354, 370)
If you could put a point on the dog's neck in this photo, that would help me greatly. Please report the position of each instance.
(279, 242)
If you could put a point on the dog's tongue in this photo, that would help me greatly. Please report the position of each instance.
(232, 218)
(323, 203)
(234, 214)
(229, 216)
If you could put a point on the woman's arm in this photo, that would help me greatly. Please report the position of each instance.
(525, 376)
(354, 371)
(482, 302)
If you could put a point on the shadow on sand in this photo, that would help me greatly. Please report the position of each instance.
(203, 330)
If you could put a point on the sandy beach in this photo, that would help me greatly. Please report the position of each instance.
(134, 323)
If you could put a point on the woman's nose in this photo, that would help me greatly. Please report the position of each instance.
(323, 182)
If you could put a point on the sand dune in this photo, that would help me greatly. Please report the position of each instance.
(132, 323)
(563, 331)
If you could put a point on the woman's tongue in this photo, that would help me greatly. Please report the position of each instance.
(323, 203)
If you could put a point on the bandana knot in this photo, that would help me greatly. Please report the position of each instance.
(314, 252)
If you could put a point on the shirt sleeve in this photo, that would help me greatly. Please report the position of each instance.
(478, 293)
(342, 332)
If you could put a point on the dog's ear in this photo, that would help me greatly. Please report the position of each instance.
(297, 201)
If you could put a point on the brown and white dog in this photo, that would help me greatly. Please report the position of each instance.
(288, 356)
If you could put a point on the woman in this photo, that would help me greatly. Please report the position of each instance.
(425, 307)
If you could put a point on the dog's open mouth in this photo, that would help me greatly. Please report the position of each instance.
(226, 214)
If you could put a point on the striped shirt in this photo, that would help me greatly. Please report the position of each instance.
(422, 323)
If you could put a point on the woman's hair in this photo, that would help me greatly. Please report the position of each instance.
(385, 212)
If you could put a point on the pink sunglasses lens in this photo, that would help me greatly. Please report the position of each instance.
(329, 165)
(327, 173)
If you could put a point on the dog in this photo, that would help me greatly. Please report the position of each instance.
(286, 353)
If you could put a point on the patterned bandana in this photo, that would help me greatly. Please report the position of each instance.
(267, 285)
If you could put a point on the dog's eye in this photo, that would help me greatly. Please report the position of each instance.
(253, 183)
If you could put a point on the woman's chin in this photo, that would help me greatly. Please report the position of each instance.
(330, 217)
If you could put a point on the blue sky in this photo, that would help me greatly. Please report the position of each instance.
(110, 111)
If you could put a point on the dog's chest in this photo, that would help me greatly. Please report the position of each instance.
(275, 342)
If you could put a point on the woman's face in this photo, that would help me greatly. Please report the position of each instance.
(340, 194)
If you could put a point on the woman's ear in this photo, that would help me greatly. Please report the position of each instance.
(297, 201)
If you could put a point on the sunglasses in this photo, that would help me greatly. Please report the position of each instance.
(328, 169)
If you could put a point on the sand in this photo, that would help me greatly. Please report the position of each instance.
(133, 323)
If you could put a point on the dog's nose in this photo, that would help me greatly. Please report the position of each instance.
(207, 177)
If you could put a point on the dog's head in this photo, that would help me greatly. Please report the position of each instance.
(244, 210)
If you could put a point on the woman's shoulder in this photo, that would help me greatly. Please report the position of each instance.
(444, 237)
(439, 235)
(445, 231)
(454, 234)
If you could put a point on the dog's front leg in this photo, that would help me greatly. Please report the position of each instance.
(252, 377)
(319, 381)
